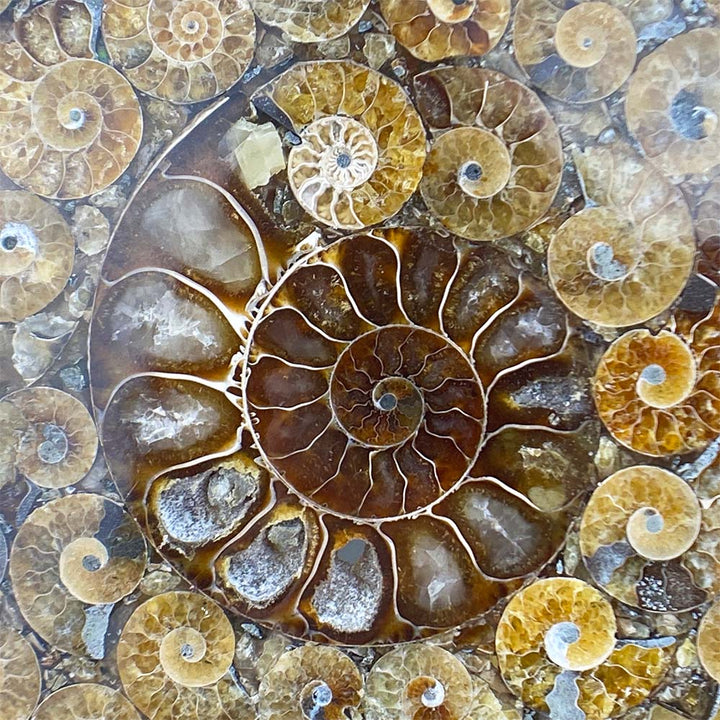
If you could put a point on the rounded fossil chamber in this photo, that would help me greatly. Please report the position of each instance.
(673, 103)
(362, 142)
(86, 701)
(557, 636)
(579, 54)
(20, 679)
(184, 51)
(496, 161)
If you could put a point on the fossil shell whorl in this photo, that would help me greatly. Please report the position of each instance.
(77, 550)
(604, 262)
(73, 132)
(363, 143)
(577, 55)
(708, 647)
(496, 163)
(36, 254)
(435, 29)
(310, 21)
(20, 680)
(184, 51)
(86, 701)
(707, 226)
(673, 103)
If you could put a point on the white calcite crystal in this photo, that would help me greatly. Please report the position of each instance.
(257, 149)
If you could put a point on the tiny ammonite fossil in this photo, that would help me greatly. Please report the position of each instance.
(435, 29)
(577, 53)
(69, 555)
(310, 21)
(86, 701)
(673, 103)
(496, 161)
(20, 680)
(312, 681)
(36, 254)
(184, 51)
(59, 443)
(416, 682)
(173, 656)
(557, 639)
(362, 142)
(708, 641)
(627, 257)
(648, 542)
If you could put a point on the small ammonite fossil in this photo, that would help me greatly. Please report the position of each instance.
(310, 21)
(658, 394)
(184, 51)
(362, 142)
(578, 53)
(36, 254)
(673, 103)
(73, 554)
(435, 29)
(173, 657)
(59, 442)
(86, 701)
(496, 160)
(312, 681)
(20, 680)
(708, 641)
(628, 256)
(556, 640)
(416, 682)
(645, 539)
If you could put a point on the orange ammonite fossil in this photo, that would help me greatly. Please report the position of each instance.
(556, 644)
(184, 51)
(708, 641)
(645, 539)
(496, 161)
(36, 254)
(20, 680)
(577, 55)
(310, 21)
(72, 554)
(627, 257)
(673, 103)
(310, 682)
(435, 29)
(362, 142)
(173, 656)
(86, 701)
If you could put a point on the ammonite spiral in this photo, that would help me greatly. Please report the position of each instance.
(673, 103)
(86, 701)
(496, 161)
(20, 680)
(578, 53)
(78, 551)
(557, 640)
(36, 254)
(184, 51)
(362, 142)
(310, 21)
(435, 29)
(628, 256)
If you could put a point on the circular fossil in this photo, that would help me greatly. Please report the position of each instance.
(628, 257)
(20, 680)
(173, 656)
(86, 701)
(184, 51)
(310, 682)
(59, 443)
(673, 103)
(708, 647)
(643, 539)
(76, 551)
(71, 133)
(435, 29)
(418, 681)
(557, 637)
(310, 21)
(362, 142)
(36, 254)
(487, 177)
(579, 54)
